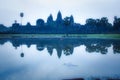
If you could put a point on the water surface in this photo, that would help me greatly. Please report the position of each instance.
(59, 59)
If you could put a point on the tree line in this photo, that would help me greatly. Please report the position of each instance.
(64, 26)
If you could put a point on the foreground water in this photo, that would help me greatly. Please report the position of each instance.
(59, 59)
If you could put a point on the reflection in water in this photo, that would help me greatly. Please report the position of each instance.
(66, 45)
(22, 54)
(90, 59)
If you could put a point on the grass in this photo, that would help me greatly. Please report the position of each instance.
(103, 36)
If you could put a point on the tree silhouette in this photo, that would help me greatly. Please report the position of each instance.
(90, 22)
(116, 23)
(21, 15)
(15, 24)
(104, 21)
(67, 21)
(98, 22)
(22, 54)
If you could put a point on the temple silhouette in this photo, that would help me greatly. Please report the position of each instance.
(63, 26)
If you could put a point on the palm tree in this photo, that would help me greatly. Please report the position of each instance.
(21, 15)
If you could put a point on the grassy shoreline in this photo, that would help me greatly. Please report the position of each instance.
(101, 36)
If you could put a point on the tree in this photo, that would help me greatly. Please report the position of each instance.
(90, 22)
(68, 50)
(40, 23)
(104, 21)
(22, 54)
(15, 24)
(116, 22)
(50, 20)
(67, 21)
(59, 18)
(98, 22)
(21, 15)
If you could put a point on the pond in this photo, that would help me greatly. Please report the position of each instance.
(59, 59)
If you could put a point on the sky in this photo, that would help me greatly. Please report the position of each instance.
(35, 9)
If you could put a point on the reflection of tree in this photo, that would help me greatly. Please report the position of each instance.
(22, 54)
(116, 47)
(96, 48)
(68, 50)
(99, 46)
(66, 45)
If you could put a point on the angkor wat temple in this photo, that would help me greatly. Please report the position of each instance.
(64, 26)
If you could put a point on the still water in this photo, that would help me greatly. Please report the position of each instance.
(59, 59)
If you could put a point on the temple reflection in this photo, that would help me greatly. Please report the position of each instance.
(66, 45)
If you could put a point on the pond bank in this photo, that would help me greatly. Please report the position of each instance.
(102, 36)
